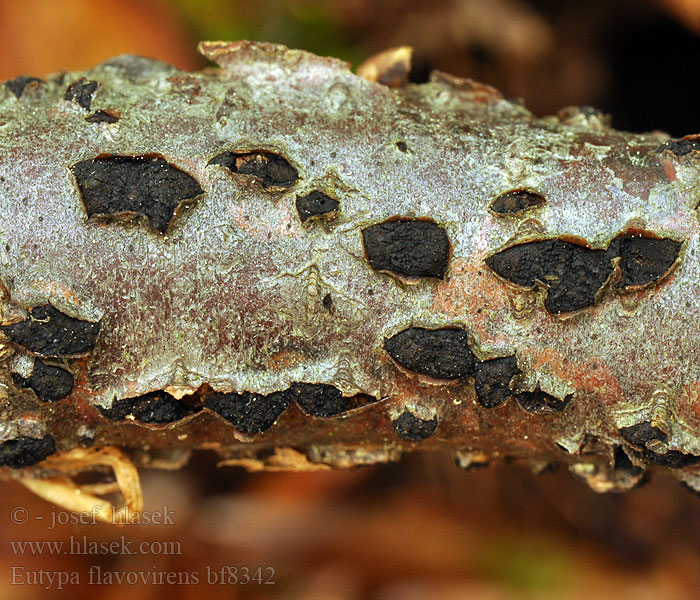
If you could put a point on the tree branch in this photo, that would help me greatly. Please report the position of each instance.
(297, 267)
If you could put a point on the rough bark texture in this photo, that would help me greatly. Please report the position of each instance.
(153, 248)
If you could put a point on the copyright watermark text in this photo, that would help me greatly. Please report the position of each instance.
(19, 515)
(97, 574)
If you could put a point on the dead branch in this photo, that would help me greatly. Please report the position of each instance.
(298, 267)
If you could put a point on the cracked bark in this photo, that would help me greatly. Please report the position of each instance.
(193, 249)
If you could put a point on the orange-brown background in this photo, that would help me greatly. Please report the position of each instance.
(635, 58)
(422, 528)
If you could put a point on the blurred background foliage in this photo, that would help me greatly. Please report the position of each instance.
(421, 528)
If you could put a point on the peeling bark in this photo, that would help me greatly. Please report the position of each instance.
(195, 304)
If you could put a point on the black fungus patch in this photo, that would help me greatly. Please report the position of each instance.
(316, 204)
(50, 383)
(407, 247)
(516, 202)
(81, 91)
(644, 260)
(642, 433)
(323, 400)
(622, 463)
(573, 274)
(150, 186)
(327, 302)
(49, 332)
(439, 353)
(17, 85)
(156, 408)
(538, 402)
(413, 429)
(273, 170)
(680, 147)
(492, 379)
(26, 451)
(102, 116)
(319, 399)
(673, 459)
(248, 412)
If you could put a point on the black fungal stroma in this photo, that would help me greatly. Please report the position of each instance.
(49, 332)
(155, 408)
(102, 116)
(643, 260)
(492, 380)
(412, 428)
(516, 202)
(128, 185)
(49, 382)
(272, 170)
(538, 401)
(407, 247)
(255, 413)
(438, 353)
(81, 92)
(672, 459)
(446, 354)
(248, 412)
(316, 204)
(622, 462)
(26, 451)
(644, 435)
(17, 85)
(681, 147)
(319, 399)
(575, 274)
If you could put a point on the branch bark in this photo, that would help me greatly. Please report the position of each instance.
(300, 268)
